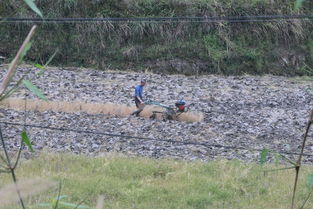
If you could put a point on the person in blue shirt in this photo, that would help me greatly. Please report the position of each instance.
(138, 98)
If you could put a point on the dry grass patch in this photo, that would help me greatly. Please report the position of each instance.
(92, 108)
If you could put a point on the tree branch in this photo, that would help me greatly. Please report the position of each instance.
(300, 158)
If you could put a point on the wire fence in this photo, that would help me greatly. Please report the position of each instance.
(205, 19)
(206, 145)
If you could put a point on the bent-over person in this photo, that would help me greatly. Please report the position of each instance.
(138, 98)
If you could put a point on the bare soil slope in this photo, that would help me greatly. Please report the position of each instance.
(244, 111)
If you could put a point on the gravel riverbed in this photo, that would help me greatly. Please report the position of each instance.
(252, 112)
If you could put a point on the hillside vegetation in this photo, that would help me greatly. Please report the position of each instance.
(279, 47)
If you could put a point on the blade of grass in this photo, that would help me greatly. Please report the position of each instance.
(308, 71)
(47, 63)
(4, 171)
(18, 154)
(3, 159)
(305, 65)
(51, 58)
(58, 198)
(3, 166)
(280, 169)
(276, 157)
(288, 160)
(263, 156)
(306, 199)
(12, 171)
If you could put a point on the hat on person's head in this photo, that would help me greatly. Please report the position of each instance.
(143, 81)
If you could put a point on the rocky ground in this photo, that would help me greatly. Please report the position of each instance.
(251, 112)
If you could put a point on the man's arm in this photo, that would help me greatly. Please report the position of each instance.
(139, 99)
(137, 95)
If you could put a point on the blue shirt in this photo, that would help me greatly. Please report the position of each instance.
(138, 91)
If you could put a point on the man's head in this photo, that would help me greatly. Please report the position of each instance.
(143, 82)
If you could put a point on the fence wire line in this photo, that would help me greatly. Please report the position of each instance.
(207, 145)
(203, 19)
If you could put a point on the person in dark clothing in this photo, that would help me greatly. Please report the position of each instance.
(138, 98)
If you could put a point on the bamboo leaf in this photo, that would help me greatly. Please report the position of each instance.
(309, 181)
(34, 89)
(61, 197)
(27, 141)
(39, 66)
(298, 4)
(44, 204)
(263, 156)
(74, 205)
(33, 6)
(26, 49)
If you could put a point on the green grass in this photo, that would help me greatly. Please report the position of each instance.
(132, 182)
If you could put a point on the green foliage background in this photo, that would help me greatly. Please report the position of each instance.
(280, 47)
